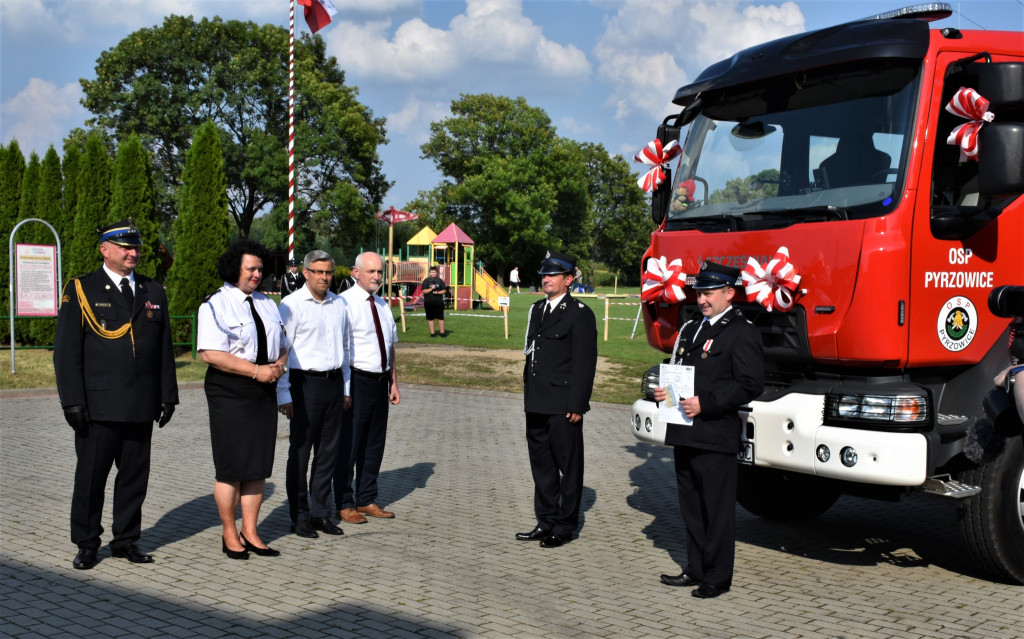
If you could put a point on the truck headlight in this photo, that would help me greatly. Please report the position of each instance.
(649, 381)
(896, 410)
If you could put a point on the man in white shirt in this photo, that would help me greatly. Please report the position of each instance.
(314, 393)
(374, 385)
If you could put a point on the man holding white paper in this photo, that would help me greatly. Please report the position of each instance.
(725, 355)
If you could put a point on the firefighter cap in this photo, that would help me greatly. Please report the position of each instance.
(122, 233)
(714, 275)
(556, 263)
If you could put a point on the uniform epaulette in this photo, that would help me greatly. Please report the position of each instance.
(207, 298)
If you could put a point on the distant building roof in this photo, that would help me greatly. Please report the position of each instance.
(451, 235)
(423, 238)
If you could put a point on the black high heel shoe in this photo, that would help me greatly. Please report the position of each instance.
(233, 554)
(262, 552)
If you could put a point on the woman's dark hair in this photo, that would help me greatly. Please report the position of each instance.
(229, 264)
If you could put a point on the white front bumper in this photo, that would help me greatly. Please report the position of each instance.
(788, 431)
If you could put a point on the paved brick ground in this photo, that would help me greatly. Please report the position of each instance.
(457, 475)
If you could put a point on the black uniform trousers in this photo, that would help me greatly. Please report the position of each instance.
(364, 433)
(556, 460)
(315, 427)
(126, 445)
(706, 482)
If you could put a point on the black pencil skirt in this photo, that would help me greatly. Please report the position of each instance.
(243, 425)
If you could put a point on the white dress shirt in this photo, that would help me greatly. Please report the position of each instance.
(226, 324)
(317, 334)
(364, 348)
(114, 277)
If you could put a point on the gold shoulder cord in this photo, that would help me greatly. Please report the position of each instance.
(89, 318)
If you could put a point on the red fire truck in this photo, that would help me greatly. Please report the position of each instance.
(833, 145)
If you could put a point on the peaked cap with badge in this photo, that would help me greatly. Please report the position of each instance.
(715, 275)
(557, 263)
(122, 233)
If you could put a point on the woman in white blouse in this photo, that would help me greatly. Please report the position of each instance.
(241, 337)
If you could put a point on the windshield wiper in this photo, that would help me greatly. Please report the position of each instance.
(828, 212)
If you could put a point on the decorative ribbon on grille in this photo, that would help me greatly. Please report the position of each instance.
(663, 280)
(656, 157)
(968, 103)
(775, 284)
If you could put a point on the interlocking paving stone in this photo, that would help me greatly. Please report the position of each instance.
(457, 475)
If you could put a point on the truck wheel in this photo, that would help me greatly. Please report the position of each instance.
(782, 496)
(993, 523)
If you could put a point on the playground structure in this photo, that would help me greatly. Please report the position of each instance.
(452, 251)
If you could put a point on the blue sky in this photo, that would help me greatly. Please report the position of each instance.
(603, 70)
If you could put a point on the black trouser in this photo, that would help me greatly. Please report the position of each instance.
(365, 429)
(706, 482)
(318, 404)
(556, 459)
(126, 445)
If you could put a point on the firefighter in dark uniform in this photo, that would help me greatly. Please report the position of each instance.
(561, 358)
(115, 377)
(726, 352)
(293, 279)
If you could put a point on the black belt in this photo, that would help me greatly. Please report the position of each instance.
(328, 374)
(380, 377)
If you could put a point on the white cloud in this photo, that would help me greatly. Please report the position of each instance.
(649, 50)
(41, 114)
(491, 36)
(413, 121)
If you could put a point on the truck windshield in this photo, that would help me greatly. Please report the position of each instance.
(829, 145)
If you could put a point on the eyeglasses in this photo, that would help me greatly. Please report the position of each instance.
(317, 272)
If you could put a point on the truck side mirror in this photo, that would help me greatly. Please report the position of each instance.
(1001, 159)
(662, 195)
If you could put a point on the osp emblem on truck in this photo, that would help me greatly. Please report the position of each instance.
(957, 323)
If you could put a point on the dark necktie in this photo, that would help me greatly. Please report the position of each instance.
(261, 333)
(544, 313)
(380, 337)
(126, 290)
(704, 322)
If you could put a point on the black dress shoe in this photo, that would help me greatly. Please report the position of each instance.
(553, 541)
(132, 554)
(325, 525)
(233, 554)
(262, 552)
(85, 559)
(534, 535)
(707, 591)
(302, 528)
(681, 580)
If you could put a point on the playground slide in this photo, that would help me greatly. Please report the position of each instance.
(417, 299)
(488, 289)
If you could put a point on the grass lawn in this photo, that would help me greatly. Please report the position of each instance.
(476, 353)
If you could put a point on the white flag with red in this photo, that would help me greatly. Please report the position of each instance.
(318, 13)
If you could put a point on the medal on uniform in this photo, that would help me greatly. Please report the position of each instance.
(149, 314)
(707, 347)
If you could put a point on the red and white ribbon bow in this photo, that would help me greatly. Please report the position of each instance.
(663, 280)
(774, 285)
(968, 103)
(656, 157)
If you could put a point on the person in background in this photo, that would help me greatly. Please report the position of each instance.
(726, 352)
(241, 337)
(558, 379)
(292, 280)
(114, 364)
(513, 278)
(434, 289)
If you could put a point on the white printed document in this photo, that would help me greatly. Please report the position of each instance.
(678, 384)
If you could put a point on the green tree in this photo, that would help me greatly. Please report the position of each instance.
(509, 181)
(28, 233)
(753, 187)
(69, 202)
(12, 167)
(48, 207)
(163, 82)
(202, 228)
(92, 205)
(622, 220)
(132, 196)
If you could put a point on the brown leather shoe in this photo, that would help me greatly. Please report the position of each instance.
(351, 516)
(373, 510)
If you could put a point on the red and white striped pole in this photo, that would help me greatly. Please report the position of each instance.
(291, 132)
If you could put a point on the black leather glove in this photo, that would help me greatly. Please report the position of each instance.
(166, 410)
(77, 418)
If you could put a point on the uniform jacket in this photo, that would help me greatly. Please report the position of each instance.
(291, 282)
(116, 382)
(730, 376)
(559, 373)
